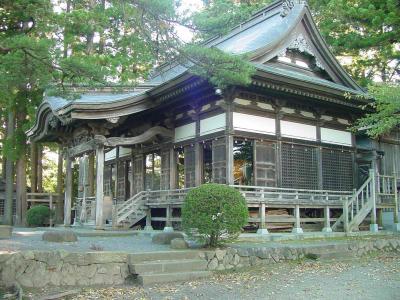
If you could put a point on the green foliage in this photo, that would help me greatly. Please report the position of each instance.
(366, 31)
(38, 215)
(219, 16)
(221, 69)
(214, 212)
(383, 113)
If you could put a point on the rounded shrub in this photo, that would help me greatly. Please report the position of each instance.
(214, 212)
(38, 215)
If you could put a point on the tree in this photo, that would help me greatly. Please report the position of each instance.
(383, 112)
(366, 32)
(214, 212)
(211, 22)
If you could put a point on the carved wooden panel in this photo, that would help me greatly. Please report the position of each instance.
(264, 163)
(337, 170)
(165, 170)
(299, 166)
(138, 173)
(190, 166)
(219, 161)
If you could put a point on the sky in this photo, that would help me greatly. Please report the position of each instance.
(187, 6)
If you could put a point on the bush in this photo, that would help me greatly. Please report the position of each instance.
(213, 212)
(38, 215)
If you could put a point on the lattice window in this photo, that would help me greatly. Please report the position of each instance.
(219, 161)
(107, 180)
(2, 207)
(299, 166)
(337, 170)
(190, 165)
(121, 180)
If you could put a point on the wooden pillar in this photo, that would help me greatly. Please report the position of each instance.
(168, 223)
(262, 229)
(230, 180)
(99, 186)
(127, 188)
(34, 165)
(148, 219)
(173, 176)
(59, 189)
(198, 163)
(319, 159)
(68, 191)
(327, 220)
(297, 226)
(116, 172)
(132, 177)
(40, 168)
(373, 226)
(91, 175)
(396, 226)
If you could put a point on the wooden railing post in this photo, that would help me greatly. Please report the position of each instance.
(262, 229)
(373, 226)
(297, 228)
(346, 215)
(148, 219)
(168, 224)
(327, 220)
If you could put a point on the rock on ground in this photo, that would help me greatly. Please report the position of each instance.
(165, 238)
(59, 236)
(179, 243)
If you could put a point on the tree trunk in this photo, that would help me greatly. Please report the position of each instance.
(8, 207)
(21, 205)
(60, 182)
(4, 160)
(40, 169)
(21, 191)
(34, 165)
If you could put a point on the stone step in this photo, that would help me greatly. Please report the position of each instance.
(150, 279)
(168, 266)
(162, 255)
(337, 255)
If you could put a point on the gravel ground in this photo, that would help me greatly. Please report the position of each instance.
(25, 239)
(372, 277)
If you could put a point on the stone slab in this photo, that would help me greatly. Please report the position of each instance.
(5, 231)
(59, 236)
(165, 238)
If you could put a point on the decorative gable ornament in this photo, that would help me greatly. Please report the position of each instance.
(287, 6)
(300, 44)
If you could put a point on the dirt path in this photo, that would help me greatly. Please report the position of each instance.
(371, 277)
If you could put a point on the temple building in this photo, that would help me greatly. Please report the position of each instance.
(283, 140)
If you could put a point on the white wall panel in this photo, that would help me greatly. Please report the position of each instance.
(334, 136)
(213, 124)
(185, 132)
(298, 130)
(250, 123)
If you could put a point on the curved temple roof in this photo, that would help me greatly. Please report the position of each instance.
(268, 33)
